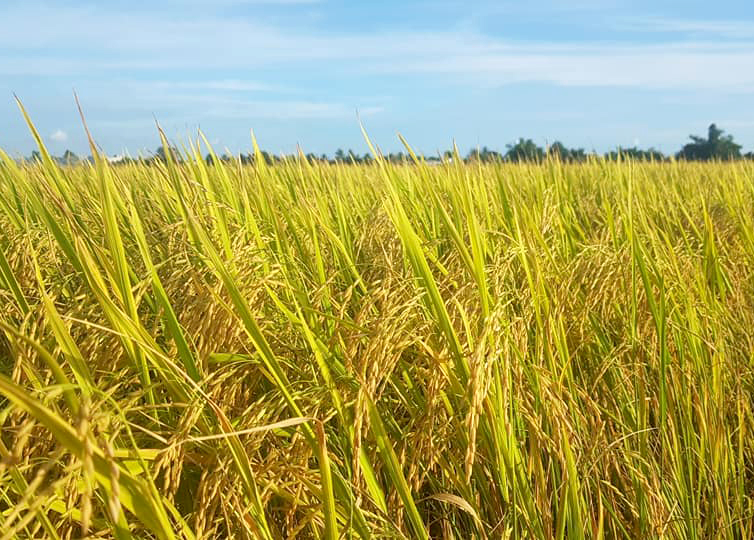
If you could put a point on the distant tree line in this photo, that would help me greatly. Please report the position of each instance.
(715, 146)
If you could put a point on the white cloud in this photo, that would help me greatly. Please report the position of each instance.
(198, 101)
(731, 29)
(692, 66)
(167, 44)
(168, 101)
(233, 85)
(248, 111)
(59, 136)
(697, 66)
(225, 84)
(284, 110)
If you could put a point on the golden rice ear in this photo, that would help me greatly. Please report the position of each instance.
(133, 492)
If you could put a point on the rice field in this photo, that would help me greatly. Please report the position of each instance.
(379, 351)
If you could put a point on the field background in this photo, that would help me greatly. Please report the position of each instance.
(387, 351)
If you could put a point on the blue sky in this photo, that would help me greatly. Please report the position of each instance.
(593, 74)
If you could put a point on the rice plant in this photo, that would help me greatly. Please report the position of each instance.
(307, 350)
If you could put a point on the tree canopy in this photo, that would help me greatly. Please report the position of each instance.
(715, 146)
(524, 150)
(558, 150)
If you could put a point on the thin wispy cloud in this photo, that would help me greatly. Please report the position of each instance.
(709, 29)
(285, 110)
(698, 65)
(158, 45)
(221, 99)
(225, 85)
